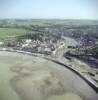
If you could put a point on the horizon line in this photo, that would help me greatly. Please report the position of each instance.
(47, 19)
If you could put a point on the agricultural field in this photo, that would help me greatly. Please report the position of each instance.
(9, 34)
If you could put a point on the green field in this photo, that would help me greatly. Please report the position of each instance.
(9, 34)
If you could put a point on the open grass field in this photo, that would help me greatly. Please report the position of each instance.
(7, 34)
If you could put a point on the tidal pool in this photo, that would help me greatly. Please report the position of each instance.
(24, 77)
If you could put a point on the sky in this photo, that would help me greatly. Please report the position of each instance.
(49, 9)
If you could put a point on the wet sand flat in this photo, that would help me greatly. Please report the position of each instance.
(34, 78)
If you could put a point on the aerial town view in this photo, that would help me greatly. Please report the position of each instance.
(47, 55)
